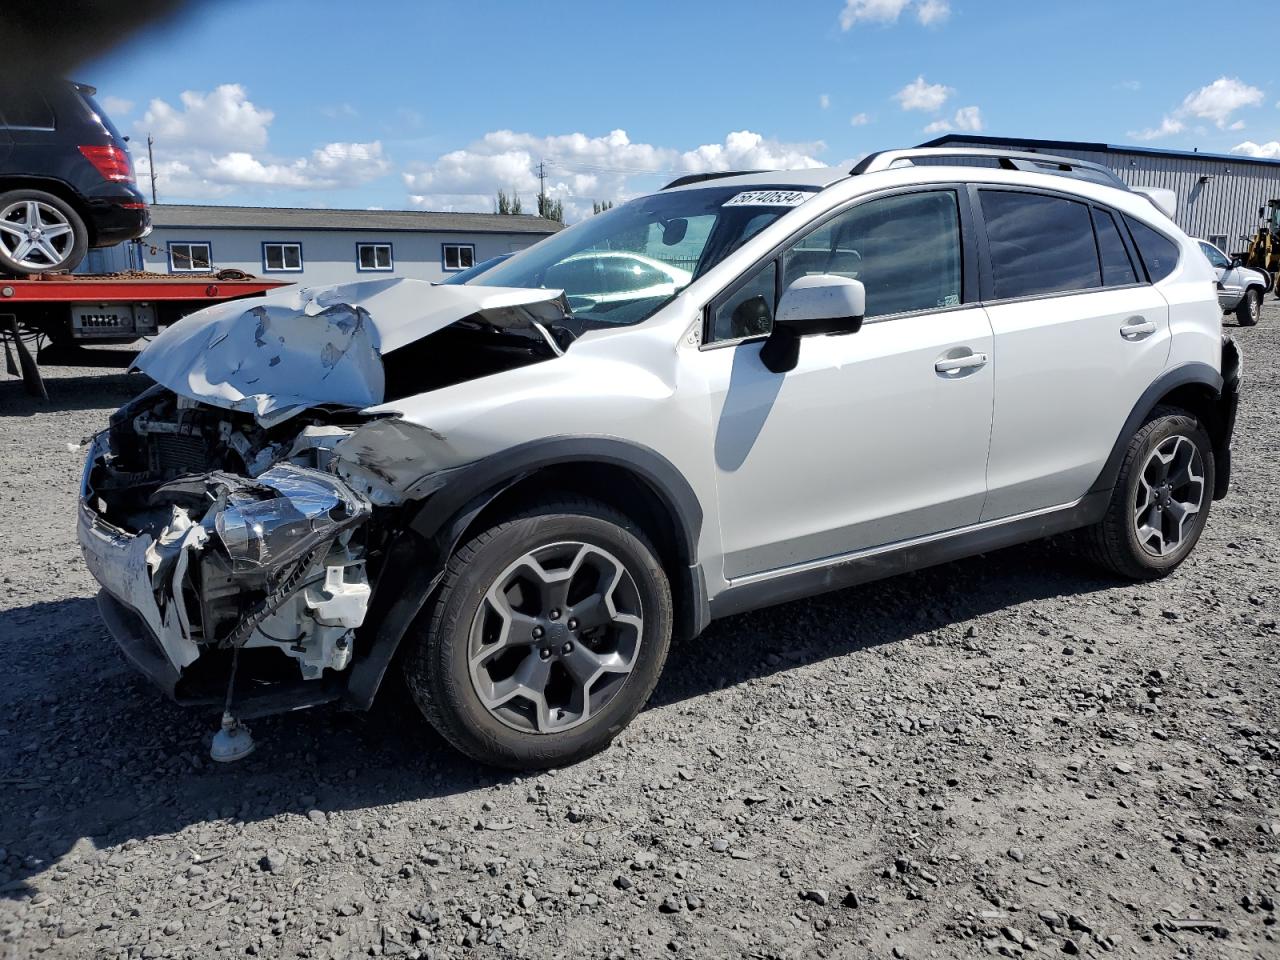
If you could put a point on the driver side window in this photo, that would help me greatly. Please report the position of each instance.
(904, 249)
(1215, 256)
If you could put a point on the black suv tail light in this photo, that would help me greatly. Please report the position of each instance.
(110, 161)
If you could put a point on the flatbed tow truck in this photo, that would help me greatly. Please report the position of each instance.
(72, 310)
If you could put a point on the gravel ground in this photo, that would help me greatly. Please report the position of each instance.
(1010, 754)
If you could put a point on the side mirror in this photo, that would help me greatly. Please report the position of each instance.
(1236, 262)
(819, 304)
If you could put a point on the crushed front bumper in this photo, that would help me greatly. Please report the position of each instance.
(152, 600)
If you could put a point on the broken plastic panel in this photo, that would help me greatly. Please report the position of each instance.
(311, 507)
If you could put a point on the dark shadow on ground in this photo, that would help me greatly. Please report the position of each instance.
(87, 392)
(93, 751)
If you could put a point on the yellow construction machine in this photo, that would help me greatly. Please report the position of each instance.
(1264, 249)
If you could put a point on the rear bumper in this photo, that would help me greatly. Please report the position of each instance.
(117, 214)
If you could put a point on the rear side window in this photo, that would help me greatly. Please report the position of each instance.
(1159, 253)
(1117, 268)
(1039, 244)
(25, 108)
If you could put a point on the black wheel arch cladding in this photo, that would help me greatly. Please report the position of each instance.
(1216, 409)
(416, 558)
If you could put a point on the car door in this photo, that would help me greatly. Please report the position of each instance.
(874, 437)
(1230, 279)
(1079, 335)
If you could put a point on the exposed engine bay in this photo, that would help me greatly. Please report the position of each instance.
(242, 532)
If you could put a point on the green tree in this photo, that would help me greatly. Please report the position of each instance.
(550, 209)
(600, 206)
(508, 205)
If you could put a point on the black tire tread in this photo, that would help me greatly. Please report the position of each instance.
(1243, 315)
(1106, 542)
(422, 681)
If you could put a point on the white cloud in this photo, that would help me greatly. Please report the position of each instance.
(928, 12)
(215, 145)
(966, 118)
(1220, 99)
(222, 119)
(582, 168)
(1216, 102)
(116, 106)
(1168, 127)
(1270, 151)
(824, 100)
(859, 120)
(337, 111)
(921, 95)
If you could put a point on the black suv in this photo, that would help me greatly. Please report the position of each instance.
(66, 181)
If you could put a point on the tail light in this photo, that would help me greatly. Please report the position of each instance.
(110, 161)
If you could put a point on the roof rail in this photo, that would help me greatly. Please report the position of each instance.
(689, 178)
(1007, 159)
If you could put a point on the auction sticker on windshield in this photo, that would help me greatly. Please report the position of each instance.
(768, 198)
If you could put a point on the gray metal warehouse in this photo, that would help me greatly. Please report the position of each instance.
(1218, 194)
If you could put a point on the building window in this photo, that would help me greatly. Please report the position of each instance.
(282, 257)
(373, 256)
(190, 258)
(1219, 240)
(458, 256)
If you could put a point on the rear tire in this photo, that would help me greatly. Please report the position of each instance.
(1249, 307)
(1161, 499)
(39, 233)
(547, 637)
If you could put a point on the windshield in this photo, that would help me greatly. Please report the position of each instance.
(621, 267)
(469, 274)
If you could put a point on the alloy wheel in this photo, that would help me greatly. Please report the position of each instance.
(1255, 305)
(555, 637)
(35, 235)
(1170, 493)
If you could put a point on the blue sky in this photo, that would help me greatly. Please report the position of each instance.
(435, 105)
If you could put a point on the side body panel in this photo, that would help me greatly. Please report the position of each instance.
(863, 444)
(1066, 376)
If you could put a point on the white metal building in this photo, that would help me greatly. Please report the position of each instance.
(320, 246)
(1219, 195)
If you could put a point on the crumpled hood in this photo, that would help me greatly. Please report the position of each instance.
(302, 347)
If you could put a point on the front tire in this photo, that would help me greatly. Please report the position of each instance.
(39, 233)
(1160, 502)
(1249, 308)
(547, 637)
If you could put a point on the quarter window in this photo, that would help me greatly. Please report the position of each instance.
(27, 109)
(373, 256)
(282, 256)
(1039, 244)
(748, 311)
(190, 258)
(1117, 268)
(458, 256)
(904, 249)
(1159, 253)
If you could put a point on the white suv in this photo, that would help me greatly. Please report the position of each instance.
(520, 503)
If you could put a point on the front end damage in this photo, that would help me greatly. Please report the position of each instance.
(198, 565)
(238, 539)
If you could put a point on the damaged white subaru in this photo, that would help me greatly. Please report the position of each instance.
(741, 390)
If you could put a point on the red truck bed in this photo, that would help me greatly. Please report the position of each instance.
(112, 308)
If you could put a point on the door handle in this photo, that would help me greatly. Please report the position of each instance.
(956, 364)
(1137, 327)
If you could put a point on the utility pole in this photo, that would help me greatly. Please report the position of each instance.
(151, 166)
(542, 179)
